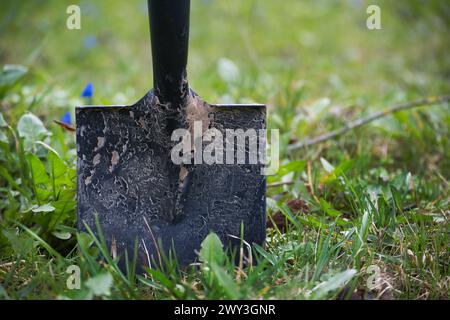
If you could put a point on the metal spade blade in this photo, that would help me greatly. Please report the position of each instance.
(126, 173)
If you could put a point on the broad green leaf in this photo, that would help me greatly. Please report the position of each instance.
(37, 170)
(293, 166)
(64, 205)
(57, 169)
(212, 249)
(31, 127)
(63, 210)
(44, 208)
(11, 73)
(100, 285)
(62, 235)
(42, 194)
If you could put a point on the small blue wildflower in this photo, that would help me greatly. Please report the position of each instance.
(67, 118)
(89, 42)
(88, 91)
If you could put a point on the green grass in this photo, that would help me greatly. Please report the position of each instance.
(377, 196)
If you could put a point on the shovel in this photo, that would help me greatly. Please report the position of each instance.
(129, 175)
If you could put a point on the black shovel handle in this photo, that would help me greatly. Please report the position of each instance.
(169, 29)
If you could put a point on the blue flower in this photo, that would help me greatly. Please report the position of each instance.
(89, 42)
(67, 118)
(88, 91)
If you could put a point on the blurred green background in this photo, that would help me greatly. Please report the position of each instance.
(322, 44)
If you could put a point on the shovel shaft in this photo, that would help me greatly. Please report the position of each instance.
(169, 29)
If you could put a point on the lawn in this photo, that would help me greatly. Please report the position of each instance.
(362, 215)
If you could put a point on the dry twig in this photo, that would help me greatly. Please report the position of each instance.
(365, 120)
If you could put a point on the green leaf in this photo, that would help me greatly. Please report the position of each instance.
(44, 208)
(31, 127)
(4, 137)
(64, 232)
(62, 235)
(397, 198)
(212, 249)
(3, 123)
(326, 165)
(328, 208)
(100, 285)
(47, 147)
(271, 258)
(293, 166)
(37, 170)
(161, 277)
(230, 287)
(286, 211)
(63, 210)
(42, 194)
(334, 172)
(11, 74)
(332, 284)
(57, 167)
